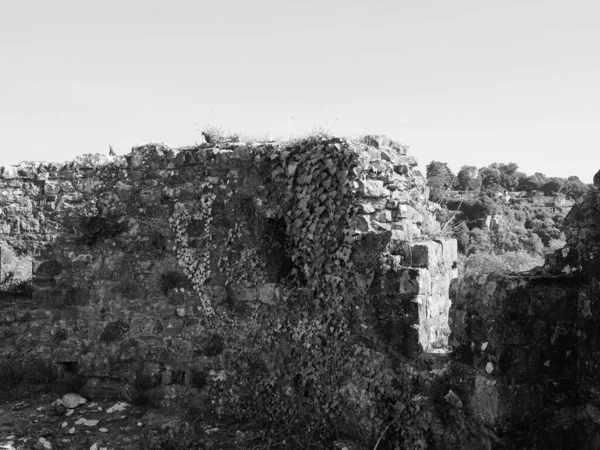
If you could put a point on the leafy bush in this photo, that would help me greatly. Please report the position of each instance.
(461, 234)
(214, 134)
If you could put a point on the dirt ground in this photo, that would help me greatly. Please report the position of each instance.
(39, 422)
(44, 422)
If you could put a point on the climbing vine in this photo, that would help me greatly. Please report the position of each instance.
(319, 208)
(249, 268)
(195, 265)
(319, 212)
(287, 376)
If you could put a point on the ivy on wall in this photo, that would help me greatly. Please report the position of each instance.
(310, 336)
(195, 266)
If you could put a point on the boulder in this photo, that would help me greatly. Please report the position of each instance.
(72, 400)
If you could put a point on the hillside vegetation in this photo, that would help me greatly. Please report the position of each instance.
(503, 219)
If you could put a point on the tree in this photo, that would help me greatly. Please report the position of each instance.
(479, 241)
(467, 179)
(489, 206)
(491, 179)
(533, 182)
(575, 188)
(508, 177)
(553, 186)
(440, 169)
(439, 179)
(461, 234)
(521, 177)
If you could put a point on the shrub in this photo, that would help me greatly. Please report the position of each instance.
(461, 234)
(214, 134)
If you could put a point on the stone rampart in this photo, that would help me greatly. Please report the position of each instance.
(131, 256)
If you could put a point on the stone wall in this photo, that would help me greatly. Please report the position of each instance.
(114, 265)
(532, 342)
(130, 255)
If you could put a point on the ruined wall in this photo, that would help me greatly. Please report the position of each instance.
(131, 256)
(179, 262)
(532, 341)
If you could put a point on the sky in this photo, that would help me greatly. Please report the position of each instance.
(466, 82)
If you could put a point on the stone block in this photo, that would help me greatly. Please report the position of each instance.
(392, 204)
(269, 294)
(242, 152)
(363, 223)
(372, 188)
(401, 196)
(52, 187)
(485, 400)
(142, 326)
(402, 233)
(414, 281)
(65, 174)
(365, 208)
(388, 149)
(384, 216)
(9, 173)
(380, 165)
(149, 195)
(123, 190)
(425, 254)
(90, 160)
(399, 235)
(382, 226)
(242, 293)
(404, 163)
(407, 212)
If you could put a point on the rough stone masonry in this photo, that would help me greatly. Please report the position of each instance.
(100, 240)
(127, 254)
(533, 340)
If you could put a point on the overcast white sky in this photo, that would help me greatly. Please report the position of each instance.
(464, 82)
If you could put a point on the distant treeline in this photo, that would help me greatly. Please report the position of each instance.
(498, 177)
(494, 232)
